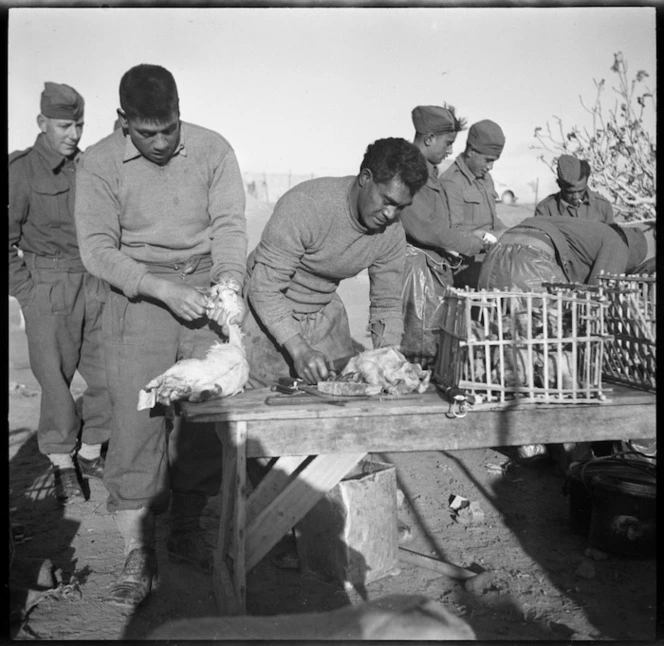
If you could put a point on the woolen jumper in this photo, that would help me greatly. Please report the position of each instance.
(428, 222)
(314, 240)
(131, 213)
(472, 200)
(593, 207)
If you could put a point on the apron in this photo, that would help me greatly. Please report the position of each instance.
(326, 330)
(424, 287)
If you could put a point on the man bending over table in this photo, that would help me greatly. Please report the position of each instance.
(323, 231)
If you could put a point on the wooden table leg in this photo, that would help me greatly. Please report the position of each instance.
(229, 574)
(273, 483)
(296, 499)
(285, 498)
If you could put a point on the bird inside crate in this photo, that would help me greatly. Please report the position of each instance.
(516, 371)
(515, 366)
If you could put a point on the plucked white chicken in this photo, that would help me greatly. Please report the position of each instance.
(389, 369)
(223, 372)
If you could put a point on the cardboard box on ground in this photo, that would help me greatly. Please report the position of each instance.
(350, 536)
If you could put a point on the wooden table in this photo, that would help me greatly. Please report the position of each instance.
(314, 445)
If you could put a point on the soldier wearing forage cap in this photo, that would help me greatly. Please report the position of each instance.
(434, 245)
(470, 191)
(60, 301)
(575, 199)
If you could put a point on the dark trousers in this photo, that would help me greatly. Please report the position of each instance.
(63, 327)
(467, 275)
(142, 339)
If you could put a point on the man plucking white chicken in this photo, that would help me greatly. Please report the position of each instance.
(160, 217)
(321, 232)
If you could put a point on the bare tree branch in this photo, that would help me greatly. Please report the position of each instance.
(621, 151)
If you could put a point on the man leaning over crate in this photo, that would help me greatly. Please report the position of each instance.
(61, 302)
(560, 249)
(160, 216)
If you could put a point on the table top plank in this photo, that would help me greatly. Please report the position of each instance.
(420, 423)
(427, 432)
(250, 406)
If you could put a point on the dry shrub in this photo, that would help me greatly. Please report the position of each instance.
(619, 147)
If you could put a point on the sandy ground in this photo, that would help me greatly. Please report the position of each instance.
(542, 587)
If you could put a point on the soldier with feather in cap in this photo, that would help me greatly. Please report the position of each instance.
(60, 301)
(435, 248)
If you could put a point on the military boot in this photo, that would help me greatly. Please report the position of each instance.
(139, 573)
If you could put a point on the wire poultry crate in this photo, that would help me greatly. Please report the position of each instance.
(530, 346)
(631, 321)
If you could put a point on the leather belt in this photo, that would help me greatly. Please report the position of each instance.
(194, 264)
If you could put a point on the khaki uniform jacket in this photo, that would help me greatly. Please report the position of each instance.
(41, 211)
(472, 201)
(594, 207)
(428, 222)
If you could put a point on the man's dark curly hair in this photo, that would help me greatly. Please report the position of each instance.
(396, 158)
(149, 92)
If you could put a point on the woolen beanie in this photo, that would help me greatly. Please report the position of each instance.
(486, 137)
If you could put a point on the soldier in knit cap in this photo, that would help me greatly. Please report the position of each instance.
(60, 300)
(575, 199)
(435, 248)
(471, 194)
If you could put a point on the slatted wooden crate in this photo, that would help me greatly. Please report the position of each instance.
(496, 346)
(631, 321)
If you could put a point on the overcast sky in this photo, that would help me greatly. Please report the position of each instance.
(305, 90)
